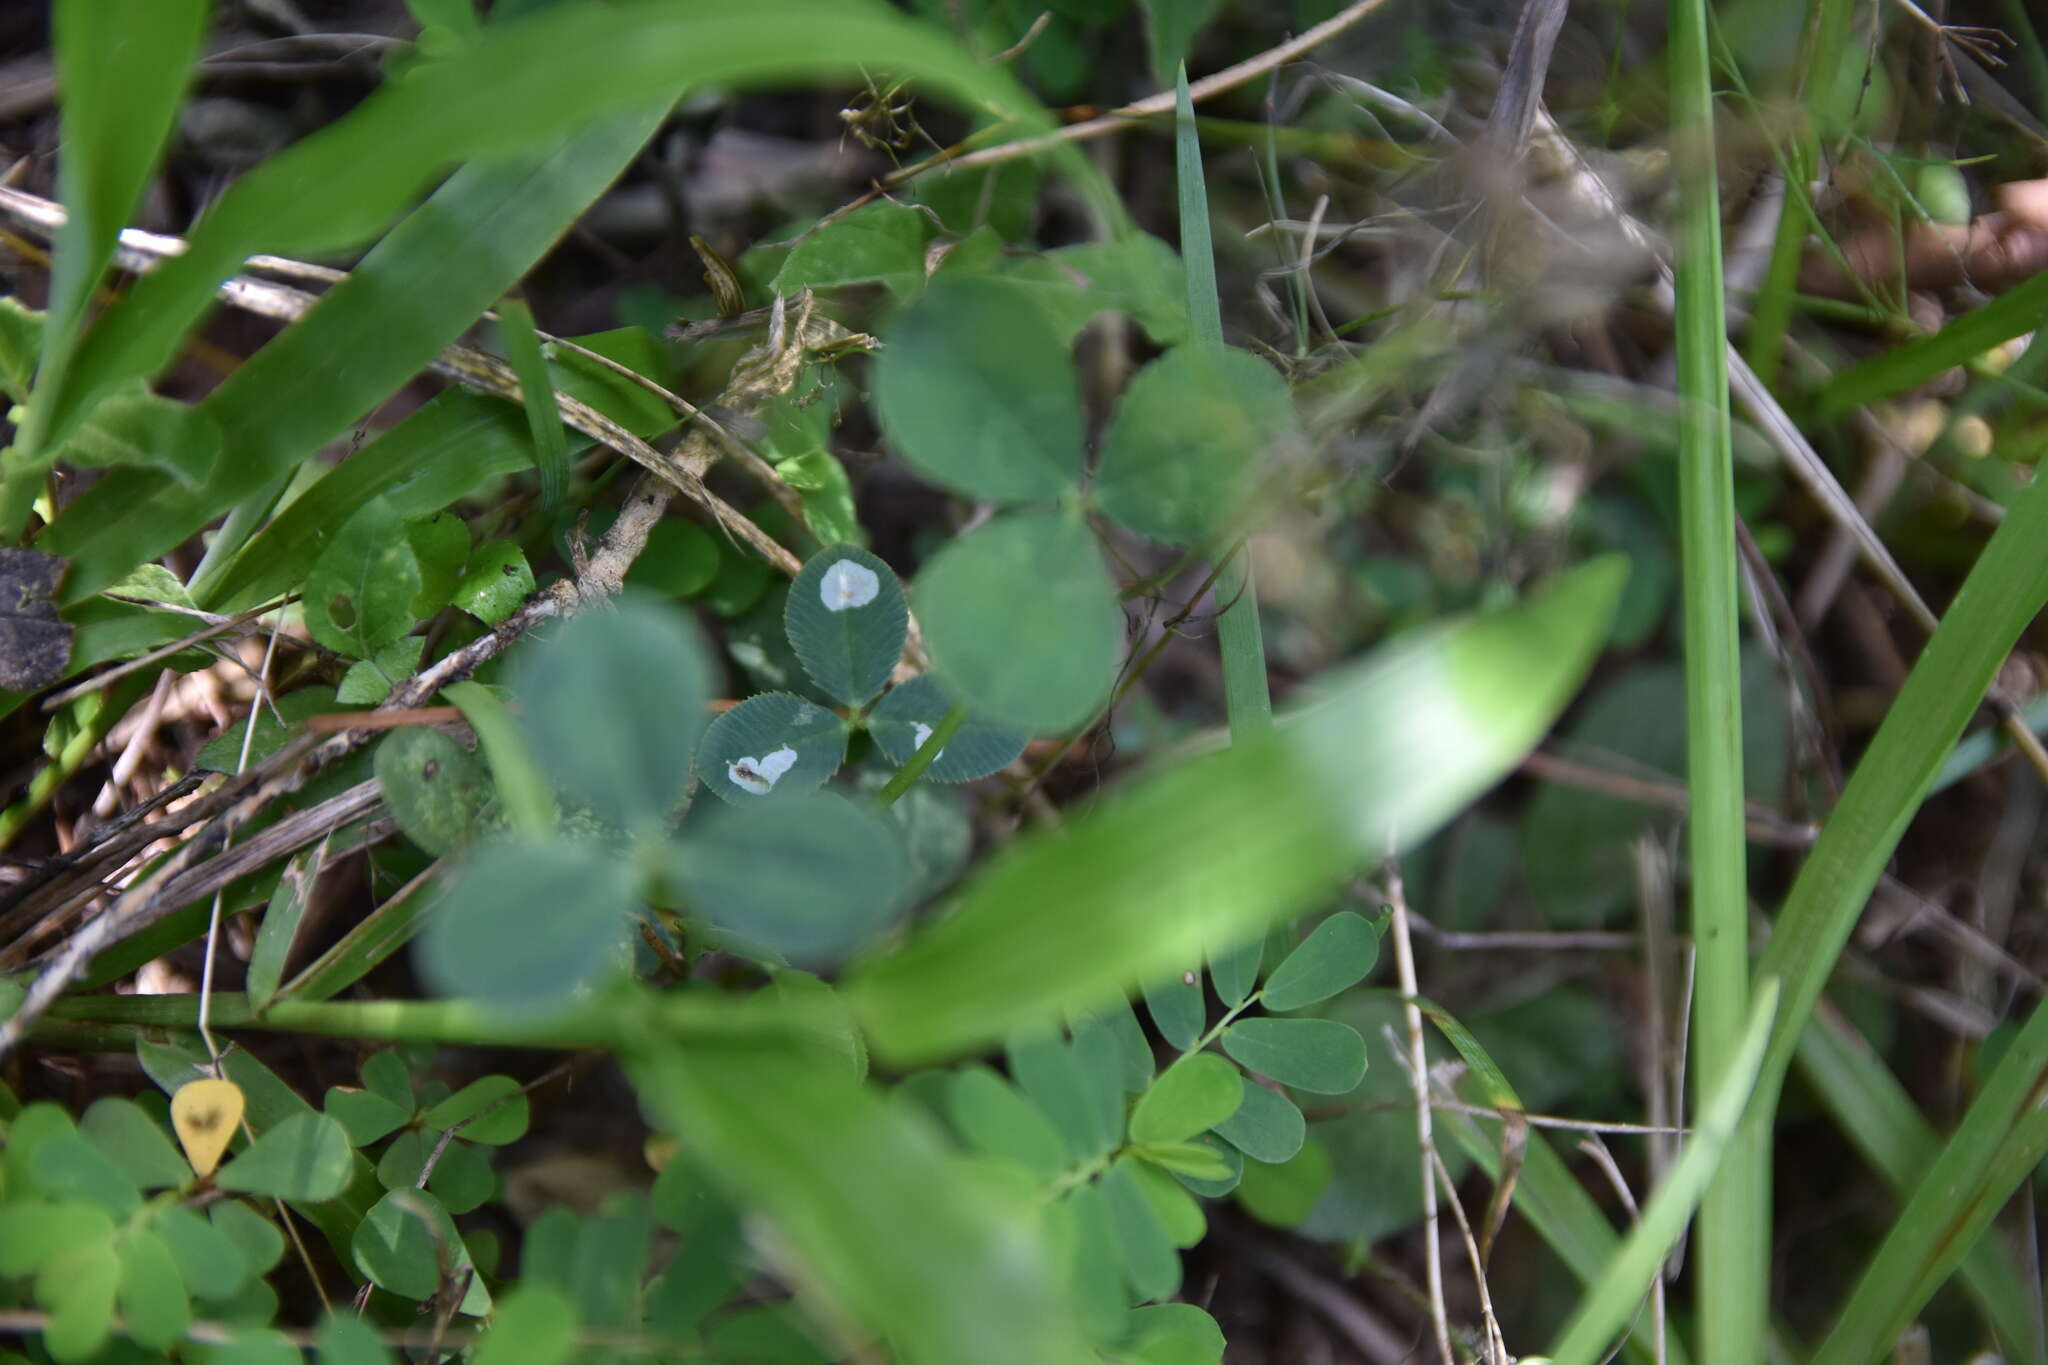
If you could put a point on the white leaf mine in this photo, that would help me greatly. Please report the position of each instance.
(758, 776)
(847, 585)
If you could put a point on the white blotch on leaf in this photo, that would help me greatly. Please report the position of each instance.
(847, 584)
(923, 732)
(759, 775)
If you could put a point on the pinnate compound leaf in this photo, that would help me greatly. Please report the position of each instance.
(769, 749)
(906, 717)
(1338, 954)
(535, 1325)
(882, 1221)
(305, 1158)
(1193, 1095)
(1266, 1127)
(847, 619)
(492, 1110)
(1284, 1194)
(153, 1298)
(526, 924)
(808, 878)
(993, 1118)
(132, 1139)
(1223, 846)
(437, 790)
(1022, 621)
(613, 703)
(1188, 437)
(360, 592)
(976, 388)
(1320, 1055)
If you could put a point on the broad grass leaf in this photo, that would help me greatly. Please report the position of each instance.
(522, 788)
(155, 1305)
(135, 1142)
(1192, 1096)
(537, 392)
(976, 388)
(1223, 846)
(1266, 1127)
(1188, 438)
(1022, 621)
(771, 748)
(904, 718)
(451, 447)
(144, 430)
(359, 595)
(993, 1118)
(809, 877)
(526, 925)
(1321, 1055)
(878, 243)
(120, 102)
(881, 1220)
(1285, 1194)
(614, 701)
(414, 293)
(517, 86)
(847, 620)
(438, 791)
(1337, 954)
(306, 1158)
(1151, 1266)
(496, 583)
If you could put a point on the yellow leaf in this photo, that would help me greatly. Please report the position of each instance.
(206, 1114)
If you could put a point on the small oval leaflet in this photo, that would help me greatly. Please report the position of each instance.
(759, 775)
(848, 584)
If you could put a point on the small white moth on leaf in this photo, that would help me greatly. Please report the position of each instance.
(759, 775)
(848, 584)
(923, 732)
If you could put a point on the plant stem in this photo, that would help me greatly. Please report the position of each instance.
(1734, 1231)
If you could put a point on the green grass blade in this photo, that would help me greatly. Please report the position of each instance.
(543, 416)
(519, 86)
(2019, 310)
(1734, 1241)
(1876, 1114)
(1546, 1193)
(1247, 695)
(122, 67)
(2005, 589)
(523, 792)
(1214, 850)
(1999, 1143)
(1615, 1296)
(415, 292)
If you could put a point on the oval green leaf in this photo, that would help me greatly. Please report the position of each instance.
(1193, 1095)
(437, 790)
(807, 878)
(1338, 954)
(307, 1158)
(1266, 1127)
(772, 748)
(847, 619)
(905, 718)
(613, 703)
(975, 387)
(526, 925)
(1188, 439)
(1321, 1055)
(1022, 621)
